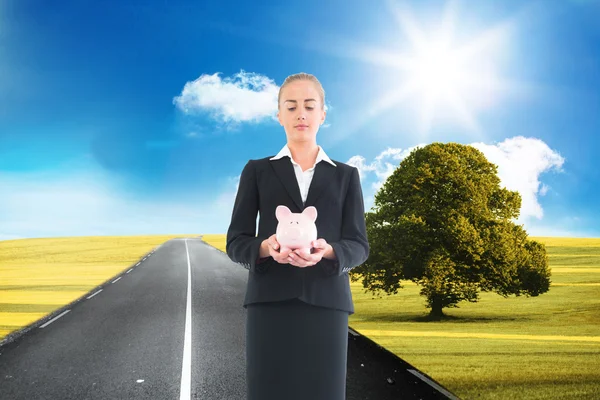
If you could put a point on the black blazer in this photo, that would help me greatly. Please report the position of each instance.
(336, 193)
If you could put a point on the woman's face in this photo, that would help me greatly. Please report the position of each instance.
(300, 111)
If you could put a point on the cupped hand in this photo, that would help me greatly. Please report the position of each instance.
(279, 256)
(319, 247)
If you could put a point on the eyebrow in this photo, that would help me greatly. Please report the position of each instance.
(295, 101)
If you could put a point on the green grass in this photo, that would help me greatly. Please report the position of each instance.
(496, 367)
(547, 347)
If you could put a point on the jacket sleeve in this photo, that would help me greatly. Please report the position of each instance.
(353, 249)
(242, 244)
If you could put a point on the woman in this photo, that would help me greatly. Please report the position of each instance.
(298, 307)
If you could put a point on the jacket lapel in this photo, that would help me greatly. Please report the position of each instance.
(285, 172)
(324, 172)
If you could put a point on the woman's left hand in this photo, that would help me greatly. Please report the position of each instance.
(320, 247)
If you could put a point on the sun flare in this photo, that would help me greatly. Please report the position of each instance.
(444, 77)
(437, 76)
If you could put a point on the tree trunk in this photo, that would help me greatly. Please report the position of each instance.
(436, 307)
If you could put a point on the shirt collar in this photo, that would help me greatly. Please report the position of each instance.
(321, 156)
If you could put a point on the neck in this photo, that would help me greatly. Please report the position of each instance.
(304, 151)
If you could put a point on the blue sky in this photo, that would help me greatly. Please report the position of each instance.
(133, 117)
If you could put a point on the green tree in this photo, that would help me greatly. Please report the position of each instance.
(442, 221)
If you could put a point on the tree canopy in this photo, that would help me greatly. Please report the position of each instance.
(443, 221)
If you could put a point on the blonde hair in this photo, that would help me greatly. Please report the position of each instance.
(303, 76)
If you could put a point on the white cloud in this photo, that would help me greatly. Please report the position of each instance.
(383, 166)
(246, 97)
(360, 163)
(520, 163)
(89, 202)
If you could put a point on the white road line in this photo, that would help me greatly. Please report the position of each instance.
(137, 264)
(432, 383)
(352, 331)
(129, 271)
(54, 319)
(116, 279)
(89, 297)
(186, 368)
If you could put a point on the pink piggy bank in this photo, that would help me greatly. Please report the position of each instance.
(296, 230)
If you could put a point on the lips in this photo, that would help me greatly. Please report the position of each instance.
(301, 126)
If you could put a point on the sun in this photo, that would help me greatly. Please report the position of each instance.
(438, 71)
(445, 81)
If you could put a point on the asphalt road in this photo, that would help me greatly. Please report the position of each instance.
(145, 335)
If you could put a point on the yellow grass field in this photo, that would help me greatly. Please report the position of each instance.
(38, 276)
(523, 348)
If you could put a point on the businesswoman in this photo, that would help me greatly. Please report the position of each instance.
(298, 307)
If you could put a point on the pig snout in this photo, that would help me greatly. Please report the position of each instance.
(296, 233)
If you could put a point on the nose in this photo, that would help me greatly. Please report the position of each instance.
(301, 116)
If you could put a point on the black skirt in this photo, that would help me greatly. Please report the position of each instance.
(295, 351)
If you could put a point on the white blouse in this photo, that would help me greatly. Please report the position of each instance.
(304, 178)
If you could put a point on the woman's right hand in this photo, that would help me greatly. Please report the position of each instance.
(272, 246)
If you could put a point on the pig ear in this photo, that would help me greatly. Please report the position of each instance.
(311, 213)
(282, 212)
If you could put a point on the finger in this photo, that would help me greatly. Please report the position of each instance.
(318, 250)
(286, 253)
(314, 255)
(301, 261)
(319, 244)
(298, 256)
(295, 259)
(277, 256)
